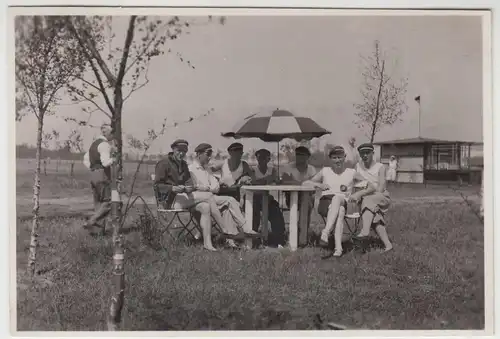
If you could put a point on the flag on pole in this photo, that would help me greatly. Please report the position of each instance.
(417, 99)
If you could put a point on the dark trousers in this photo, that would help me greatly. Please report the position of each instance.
(100, 183)
(275, 217)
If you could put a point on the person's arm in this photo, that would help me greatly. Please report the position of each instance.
(86, 160)
(382, 181)
(162, 178)
(105, 150)
(216, 168)
(369, 189)
(315, 181)
(214, 183)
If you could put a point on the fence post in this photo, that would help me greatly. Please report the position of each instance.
(45, 166)
(72, 169)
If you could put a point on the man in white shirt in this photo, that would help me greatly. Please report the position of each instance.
(98, 160)
(297, 173)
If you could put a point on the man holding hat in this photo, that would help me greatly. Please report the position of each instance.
(373, 195)
(204, 181)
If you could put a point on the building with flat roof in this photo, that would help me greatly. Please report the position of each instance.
(427, 160)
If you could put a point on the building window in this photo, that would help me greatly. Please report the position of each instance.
(445, 157)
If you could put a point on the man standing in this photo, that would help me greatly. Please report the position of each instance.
(98, 160)
(373, 195)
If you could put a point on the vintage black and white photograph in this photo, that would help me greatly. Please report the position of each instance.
(267, 170)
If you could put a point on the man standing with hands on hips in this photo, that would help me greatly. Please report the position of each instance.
(99, 159)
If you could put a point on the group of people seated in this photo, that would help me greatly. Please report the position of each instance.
(196, 187)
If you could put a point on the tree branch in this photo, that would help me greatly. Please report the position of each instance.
(126, 50)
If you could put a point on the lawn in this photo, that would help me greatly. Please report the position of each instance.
(434, 279)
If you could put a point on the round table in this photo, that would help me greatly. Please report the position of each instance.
(294, 190)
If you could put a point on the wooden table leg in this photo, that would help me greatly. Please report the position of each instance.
(294, 197)
(249, 214)
(265, 216)
(303, 218)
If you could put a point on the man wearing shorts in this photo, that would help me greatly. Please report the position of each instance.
(373, 195)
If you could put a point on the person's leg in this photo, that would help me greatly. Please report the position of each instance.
(277, 222)
(382, 233)
(371, 211)
(236, 217)
(206, 224)
(103, 198)
(257, 208)
(339, 231)
(228, 228)
(333, 211)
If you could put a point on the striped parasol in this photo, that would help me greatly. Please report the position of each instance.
(281, 124)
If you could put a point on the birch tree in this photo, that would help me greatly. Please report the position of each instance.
(46, 61)
(383, 96)
(118, 69)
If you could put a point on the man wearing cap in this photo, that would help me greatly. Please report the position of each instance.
(336, 183)
(174, 188)
(98, 160)
(373, 195)
(205, 181)
(268, 175)
(235, 172)
(297, 173)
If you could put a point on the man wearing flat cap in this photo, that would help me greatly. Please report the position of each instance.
(235, 172)
(336, 183)
(205, 182)
(297, 173)
(264, 174)
(373, 195)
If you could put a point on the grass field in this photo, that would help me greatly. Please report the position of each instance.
(433, 280)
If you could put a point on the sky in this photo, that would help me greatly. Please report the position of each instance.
(310, 66)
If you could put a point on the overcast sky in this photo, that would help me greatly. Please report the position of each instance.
(310, 66)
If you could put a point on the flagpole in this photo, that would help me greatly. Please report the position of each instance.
(417, 99)
(419, 117)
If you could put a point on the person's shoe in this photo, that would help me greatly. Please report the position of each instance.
(387, 249)
(231, 243)
(361, 236)
(323, 241)
(210, 248)
(337, 253)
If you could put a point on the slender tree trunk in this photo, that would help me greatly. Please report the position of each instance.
(377, 112)
(117, 299)
(36, 200)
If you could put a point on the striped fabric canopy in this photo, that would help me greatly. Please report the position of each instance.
(279, 125)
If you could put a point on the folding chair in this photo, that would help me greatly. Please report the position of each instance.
(171, 219)
(351, 220)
